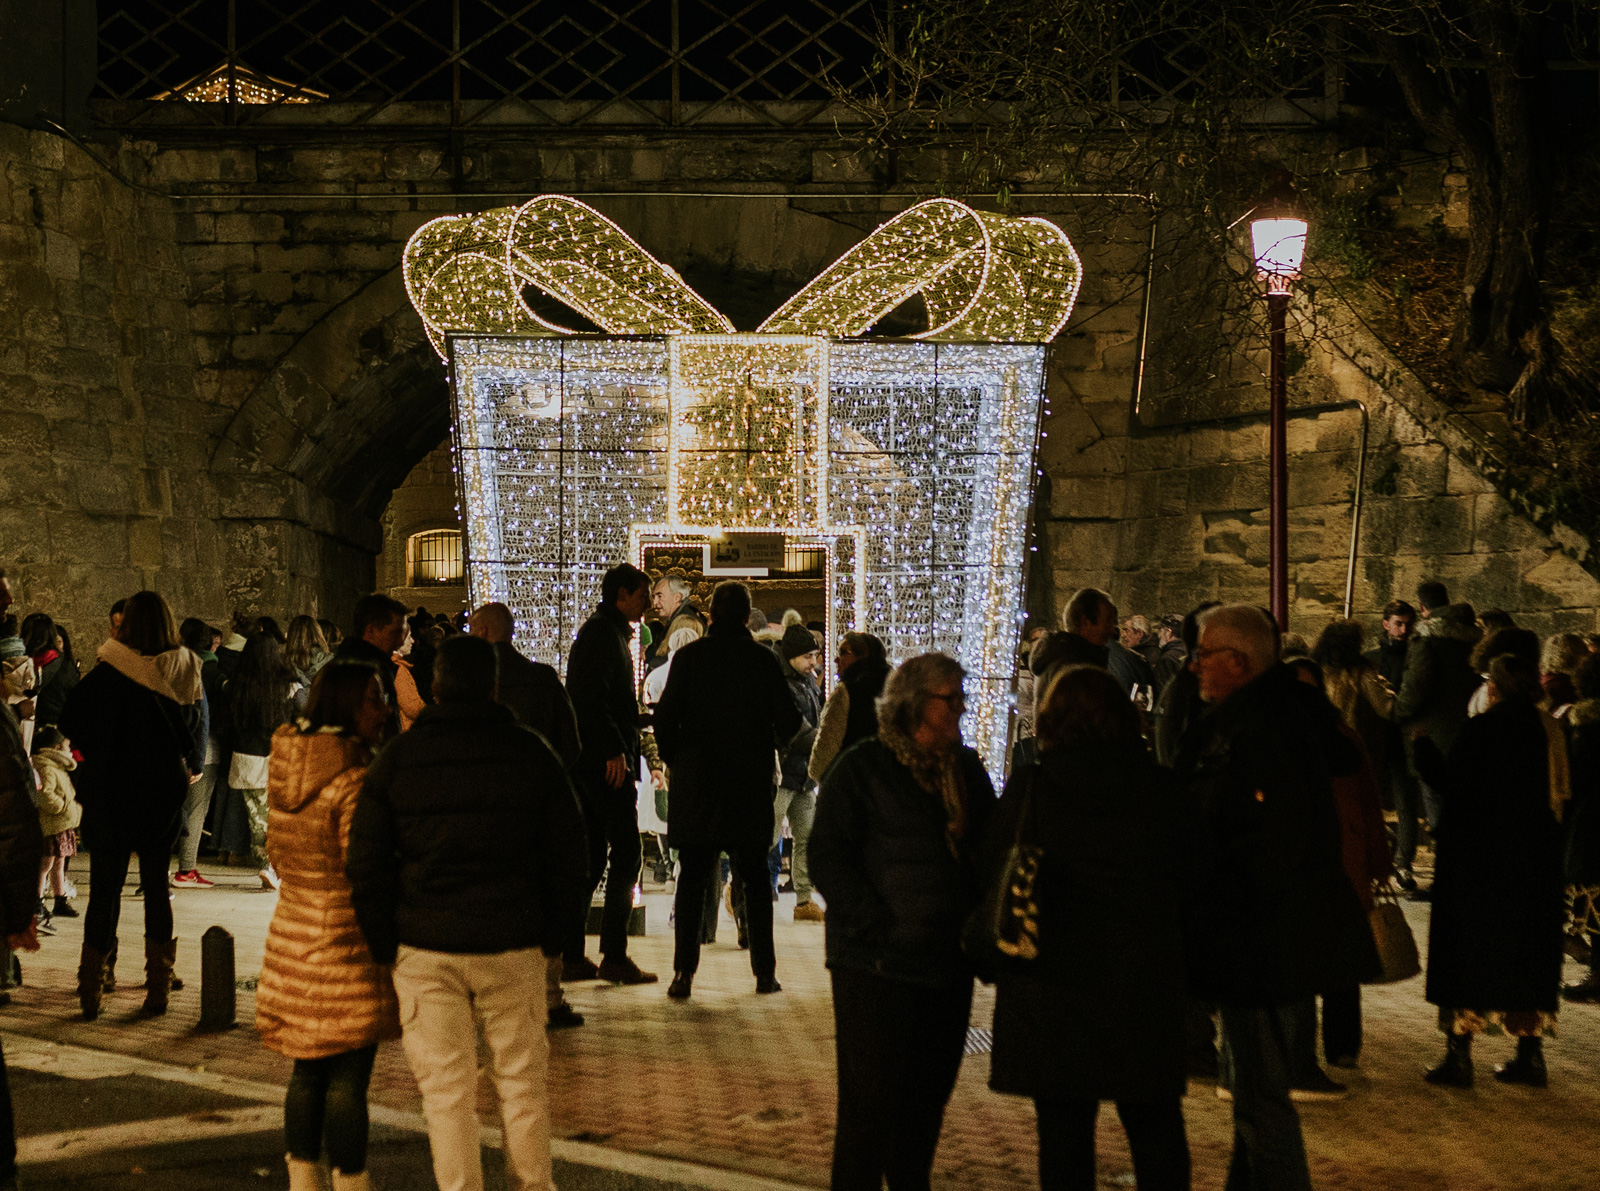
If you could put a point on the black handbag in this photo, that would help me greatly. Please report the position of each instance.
(1005, 926)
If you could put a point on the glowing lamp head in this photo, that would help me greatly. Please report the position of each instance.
(1280, 245)
(1278, 234)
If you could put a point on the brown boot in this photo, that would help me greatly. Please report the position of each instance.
(91, 980)
(158, 961)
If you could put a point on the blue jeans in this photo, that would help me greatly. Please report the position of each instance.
(1268, 1151)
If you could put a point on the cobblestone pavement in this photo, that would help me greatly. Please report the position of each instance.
(741, 1082)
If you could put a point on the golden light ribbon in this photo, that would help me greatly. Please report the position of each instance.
(983, 277)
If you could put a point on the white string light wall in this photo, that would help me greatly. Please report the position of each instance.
(912, 462)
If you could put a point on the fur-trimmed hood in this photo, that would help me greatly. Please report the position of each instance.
(1455, 622)
(56, 758)
(175, 674)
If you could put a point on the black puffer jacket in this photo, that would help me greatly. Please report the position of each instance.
(467, 839)
(897, 897)
(1276, 917)
(1439, 678)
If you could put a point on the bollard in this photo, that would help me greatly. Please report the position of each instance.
(218, 1000)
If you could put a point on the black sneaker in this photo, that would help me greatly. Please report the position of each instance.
(563, 1017)
(63, 909)
(768, 984)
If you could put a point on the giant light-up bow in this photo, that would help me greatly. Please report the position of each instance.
(907, 465)
(982, 277)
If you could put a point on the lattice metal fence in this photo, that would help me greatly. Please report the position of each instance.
(551, 61)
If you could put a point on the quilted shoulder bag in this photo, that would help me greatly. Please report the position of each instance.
(1005, 926)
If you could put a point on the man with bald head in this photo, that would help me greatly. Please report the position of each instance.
(1277, 920)
(532, 690)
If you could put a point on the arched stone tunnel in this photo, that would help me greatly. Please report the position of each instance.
(214, 383)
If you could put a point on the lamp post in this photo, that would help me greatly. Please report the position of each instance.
(1278, 235)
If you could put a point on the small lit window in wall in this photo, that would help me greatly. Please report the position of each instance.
(436, 558)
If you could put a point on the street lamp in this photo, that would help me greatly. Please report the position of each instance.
(1278, 235)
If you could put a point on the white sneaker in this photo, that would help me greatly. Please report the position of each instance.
(269, 878)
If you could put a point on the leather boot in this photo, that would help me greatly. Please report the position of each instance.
(1528, 1067)
(158, 960)
(303, 1175)
(91, 978)
(1456, 1070)
(351, 1182)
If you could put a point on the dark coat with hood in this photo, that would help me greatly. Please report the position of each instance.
(1582, 846)
(1494, 939)
(897, 895)
(600, 682)
(808, 703)
(137, 722)
(724, 717)
(1389, 657)
(1099, 1015)
(1439, 678)
(1276, 916)
(21, 844)
(536, 697)
(467, 838)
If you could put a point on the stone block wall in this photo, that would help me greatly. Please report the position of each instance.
(1165, 516)
(216, 392)
(103, 485)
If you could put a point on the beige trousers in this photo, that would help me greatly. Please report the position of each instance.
(441, 997)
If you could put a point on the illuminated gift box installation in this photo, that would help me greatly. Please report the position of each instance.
(909, 461)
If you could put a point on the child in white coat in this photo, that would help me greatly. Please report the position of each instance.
(59, 814)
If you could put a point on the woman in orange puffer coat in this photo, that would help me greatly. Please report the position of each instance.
(321, 999)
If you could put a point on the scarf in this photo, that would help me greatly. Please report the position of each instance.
(937, 773)
(175, 674)
(12, 647)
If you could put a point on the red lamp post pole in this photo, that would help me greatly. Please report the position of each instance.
(1278, 451)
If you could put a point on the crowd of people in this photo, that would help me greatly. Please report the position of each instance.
(1190, 836)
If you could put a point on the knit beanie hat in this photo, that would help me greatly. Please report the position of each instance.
(797, 639)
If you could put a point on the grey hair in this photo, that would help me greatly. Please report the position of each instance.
(906, 692)
(1248, 629)
(679, 585)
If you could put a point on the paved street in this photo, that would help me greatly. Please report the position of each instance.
(727, 1082)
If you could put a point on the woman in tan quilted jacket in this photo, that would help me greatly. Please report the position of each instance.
(322, 1000)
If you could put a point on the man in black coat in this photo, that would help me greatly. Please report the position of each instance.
(466, 862)
(531, 689)
(724, 717)
(1278, 918)
(379, 625)
(602, 684)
